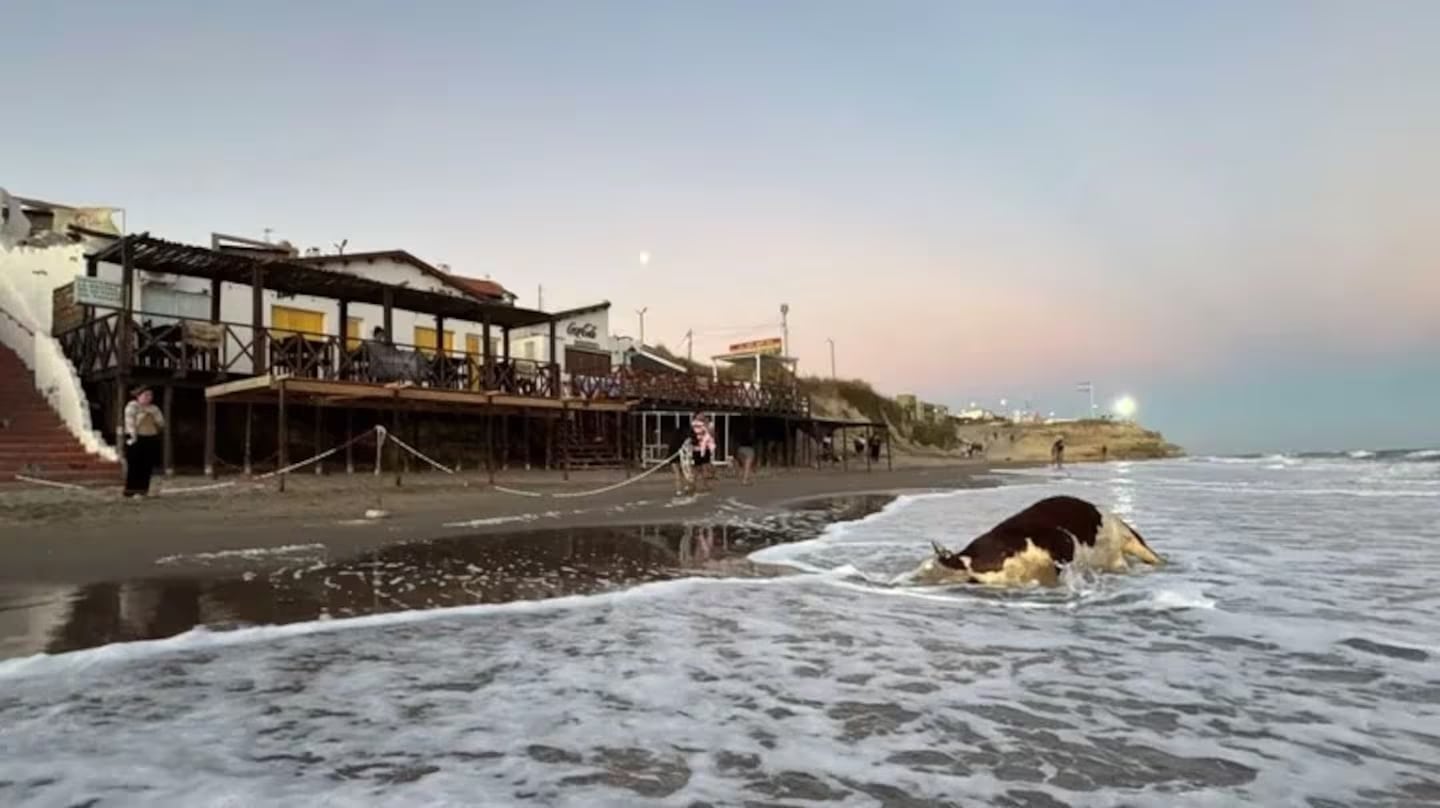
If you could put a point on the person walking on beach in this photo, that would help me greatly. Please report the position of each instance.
(680, 451)
(704, 446)
(745, 457)
(143, 423)
(1057, 452)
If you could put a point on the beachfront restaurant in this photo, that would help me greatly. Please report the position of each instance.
(246, 373)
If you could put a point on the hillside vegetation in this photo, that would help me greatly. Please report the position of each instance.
(856, 400)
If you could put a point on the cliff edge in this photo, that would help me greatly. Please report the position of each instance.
(998, 440)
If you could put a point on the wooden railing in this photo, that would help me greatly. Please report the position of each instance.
(230, 349)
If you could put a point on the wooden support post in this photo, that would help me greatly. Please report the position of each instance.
(258, 340)
(395, 430)
(889, 458)
(566, 434)
(319, 429)
(249, 419)
(505, 442)
(525, 436)
(342, 354)
(869, 439)
(284, 437)
(168, 433)
(490, 444)
(127, 311)
(554, 368)
(349, 436)
(549, 442)
(209, 439)
(486, 354)
(620, 442)
(505, 344)
(388, 318)
(215, 286)
(844, 449)
(118, 402)
(789, 436)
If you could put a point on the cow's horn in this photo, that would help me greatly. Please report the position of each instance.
(939, 551)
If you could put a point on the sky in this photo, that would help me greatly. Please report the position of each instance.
(1226, 210)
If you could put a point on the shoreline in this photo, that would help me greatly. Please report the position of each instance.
(74, 538)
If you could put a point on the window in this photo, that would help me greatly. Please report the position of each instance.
(354, 332)
(285, 321)
(425, 339)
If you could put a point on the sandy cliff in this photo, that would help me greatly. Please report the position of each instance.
(1001, 441)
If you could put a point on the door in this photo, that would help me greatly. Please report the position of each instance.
(586, 363)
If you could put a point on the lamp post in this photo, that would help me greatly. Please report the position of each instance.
(641, 312)
(785, 329)
(831, 340)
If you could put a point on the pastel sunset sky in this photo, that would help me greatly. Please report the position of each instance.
(1226, 209)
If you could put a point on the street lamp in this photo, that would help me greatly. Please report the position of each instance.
(641, 312)
(831, 340)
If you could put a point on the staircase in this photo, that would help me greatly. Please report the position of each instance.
(33, 439)
(585, 451)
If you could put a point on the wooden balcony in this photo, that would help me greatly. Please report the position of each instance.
(205, 353)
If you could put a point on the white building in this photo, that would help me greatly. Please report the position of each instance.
(583, 341)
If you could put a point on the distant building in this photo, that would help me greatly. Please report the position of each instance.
(921, 411)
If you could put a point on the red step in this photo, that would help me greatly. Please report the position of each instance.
(33, 439)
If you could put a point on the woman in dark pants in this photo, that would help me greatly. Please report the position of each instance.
(143, 424)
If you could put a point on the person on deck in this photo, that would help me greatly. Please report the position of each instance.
(143, 424)
(1057, 452)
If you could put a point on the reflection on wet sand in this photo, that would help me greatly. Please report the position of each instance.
(420, 575)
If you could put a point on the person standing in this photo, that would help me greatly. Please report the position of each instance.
(143, 424)
(704, 448)
(1057, 452)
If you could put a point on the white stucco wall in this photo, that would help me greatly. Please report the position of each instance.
(235, 303)
(28, 279)
(534, 343)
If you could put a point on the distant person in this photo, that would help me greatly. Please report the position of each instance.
(143, 425)
(679, 451)
(1104, 453)
(745, 457)
(1057, 452)
(703, 448)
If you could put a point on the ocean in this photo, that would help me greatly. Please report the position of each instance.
(1289, 654)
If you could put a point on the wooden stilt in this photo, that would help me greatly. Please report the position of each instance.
(565, 436)
(319, 438)
(209, 439)
(844, 449)
(525, 428)
(395, 430)
(168, 433)
(490, 446)
(549, 442)
(349, 436)
(869, 438)
(249, 419)
(504, 441)
(889, 458)
(284, 436)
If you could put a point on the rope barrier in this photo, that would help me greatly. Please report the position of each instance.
(382, 435)
(575, 494)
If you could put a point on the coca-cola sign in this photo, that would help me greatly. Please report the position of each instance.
(582, 330)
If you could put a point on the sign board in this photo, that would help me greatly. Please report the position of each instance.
(65, 314)
(773, 346)
(95, 292)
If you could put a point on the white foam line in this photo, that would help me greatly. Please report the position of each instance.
(202, 638)
(245, 552)
(504, 520)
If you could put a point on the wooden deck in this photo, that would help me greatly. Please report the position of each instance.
(269, 387)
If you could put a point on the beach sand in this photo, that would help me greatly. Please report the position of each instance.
(55, 536)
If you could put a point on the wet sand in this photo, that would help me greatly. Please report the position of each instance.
(60, 537)
(305, 582)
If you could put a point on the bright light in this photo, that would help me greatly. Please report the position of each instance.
(1125, 407)
(644, 258)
